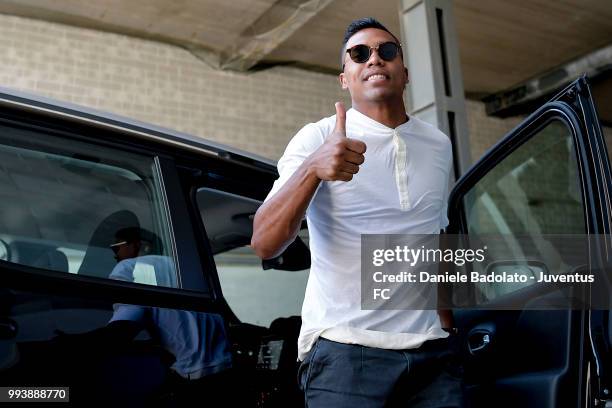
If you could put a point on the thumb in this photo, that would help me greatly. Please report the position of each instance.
(340, 119)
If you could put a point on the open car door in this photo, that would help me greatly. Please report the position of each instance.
(550, 175)
(105, 282)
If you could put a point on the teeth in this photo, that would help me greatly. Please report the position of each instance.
(376, 77)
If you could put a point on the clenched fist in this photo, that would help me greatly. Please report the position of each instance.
(339, 157)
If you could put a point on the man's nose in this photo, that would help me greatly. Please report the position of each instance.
(375, 59)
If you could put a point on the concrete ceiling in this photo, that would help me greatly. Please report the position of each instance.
(502, 43)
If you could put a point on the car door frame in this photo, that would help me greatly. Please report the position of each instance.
(575, 105)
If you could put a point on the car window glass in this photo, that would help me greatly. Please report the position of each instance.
(255, 295)
(532, 193)
(74, 207)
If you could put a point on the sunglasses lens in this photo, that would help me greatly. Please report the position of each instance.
(388, 51)
(116, 246)
(360, 53)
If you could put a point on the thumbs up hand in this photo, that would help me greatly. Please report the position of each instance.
(340, 128)
(339, 157)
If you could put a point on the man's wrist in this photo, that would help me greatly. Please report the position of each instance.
(310, 171)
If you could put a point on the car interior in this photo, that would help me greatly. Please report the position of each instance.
(267, 354)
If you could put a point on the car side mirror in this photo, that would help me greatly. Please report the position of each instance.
(295, 258)
(528, 268)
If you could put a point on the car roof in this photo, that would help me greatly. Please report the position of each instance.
(51, 107)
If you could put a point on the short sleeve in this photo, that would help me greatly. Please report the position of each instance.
(124, 270)
(302, 145)
(132, 313)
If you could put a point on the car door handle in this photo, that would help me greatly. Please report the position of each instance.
(8, 328)
(479, 341)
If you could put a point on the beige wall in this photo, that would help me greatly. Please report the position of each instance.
(168, 86)
(163, 84)
(484, 130)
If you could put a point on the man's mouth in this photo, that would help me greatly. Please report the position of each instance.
(376, 77)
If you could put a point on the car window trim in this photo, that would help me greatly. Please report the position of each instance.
(33, 279)
(193, 281)
(508, 144)
(172, 139)
(165, 208)
(192, 266)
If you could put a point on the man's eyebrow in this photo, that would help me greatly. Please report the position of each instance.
(393, 40)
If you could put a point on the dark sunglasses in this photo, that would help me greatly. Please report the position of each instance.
(361, 53)
(115, 247)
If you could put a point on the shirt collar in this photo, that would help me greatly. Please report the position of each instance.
(360, 117)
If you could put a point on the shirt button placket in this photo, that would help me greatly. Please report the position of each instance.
(401, 176)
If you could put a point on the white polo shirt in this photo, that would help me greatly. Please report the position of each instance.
(401, 188)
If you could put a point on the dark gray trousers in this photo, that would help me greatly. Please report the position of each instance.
(345, 375)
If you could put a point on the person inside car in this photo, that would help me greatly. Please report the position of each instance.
(197, 340)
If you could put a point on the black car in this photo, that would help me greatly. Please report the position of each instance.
(100, 215)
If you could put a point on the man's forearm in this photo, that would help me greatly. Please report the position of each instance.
(277, 221)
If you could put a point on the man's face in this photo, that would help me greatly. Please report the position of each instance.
(363, 80)
(126, 251)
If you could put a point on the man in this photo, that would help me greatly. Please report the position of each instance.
(133, 248)
(197, 340)
(350, 356)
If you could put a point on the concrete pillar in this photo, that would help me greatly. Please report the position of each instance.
(435, 93)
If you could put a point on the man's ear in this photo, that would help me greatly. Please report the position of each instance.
(407, 77)
(342, 80)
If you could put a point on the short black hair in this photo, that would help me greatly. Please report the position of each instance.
(361, 24)
(129, 234)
